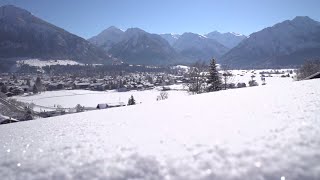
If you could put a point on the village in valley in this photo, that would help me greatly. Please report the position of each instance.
(41, 94)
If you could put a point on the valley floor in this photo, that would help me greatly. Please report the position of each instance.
(70, 98)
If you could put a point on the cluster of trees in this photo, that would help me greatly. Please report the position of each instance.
(92, 70)
(205, 78)
(163, 95)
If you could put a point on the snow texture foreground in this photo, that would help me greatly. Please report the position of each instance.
(259, 133)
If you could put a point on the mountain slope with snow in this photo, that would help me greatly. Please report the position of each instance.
(285, 44)
(228, 39)
(23, 35)
(266, 132)
(171, 38)
(140, 47)
(196, 47)
(107, 38)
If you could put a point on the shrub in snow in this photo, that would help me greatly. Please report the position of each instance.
(162, 96)
(231, 86)
(131, 101)
(241, 85)
(253, 83)
(61, 109)
(79, 108)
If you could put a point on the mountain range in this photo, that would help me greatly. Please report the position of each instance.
(197, 47)
(23, 35)
(137, 46)
(289, 43)
(229, 39)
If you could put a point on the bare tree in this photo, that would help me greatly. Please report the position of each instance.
(197, 75)
(227, 75)
(163, 95)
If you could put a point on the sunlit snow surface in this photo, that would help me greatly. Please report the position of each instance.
(265, 132)
(42, 63)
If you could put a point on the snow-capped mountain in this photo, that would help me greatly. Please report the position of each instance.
(171, 38)
(229, 39)
(197, 47)
(287, 43)
(107, 38)
(140, 47)
(24, 35)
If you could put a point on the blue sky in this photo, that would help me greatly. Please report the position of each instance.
(89, 17)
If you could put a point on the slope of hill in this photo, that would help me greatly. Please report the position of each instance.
(23, 35)
(107, 38)
(196, 47)
(285, 44)
(228, 39)
(140, 47)
(207, 136)
(171, 38)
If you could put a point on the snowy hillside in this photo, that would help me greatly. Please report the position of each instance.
(288, 43)
(265, 132)
(42, 63)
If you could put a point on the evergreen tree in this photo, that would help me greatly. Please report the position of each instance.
(4, 89)
(38, 83)
(35, 89)
(214, 80)
(28, 82)
(131, 101)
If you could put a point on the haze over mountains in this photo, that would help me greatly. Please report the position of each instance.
(288, 43)
(23, 35)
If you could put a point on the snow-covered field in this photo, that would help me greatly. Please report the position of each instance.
(244, 76)
(70, 98)
(265, 132)
(42, 63)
